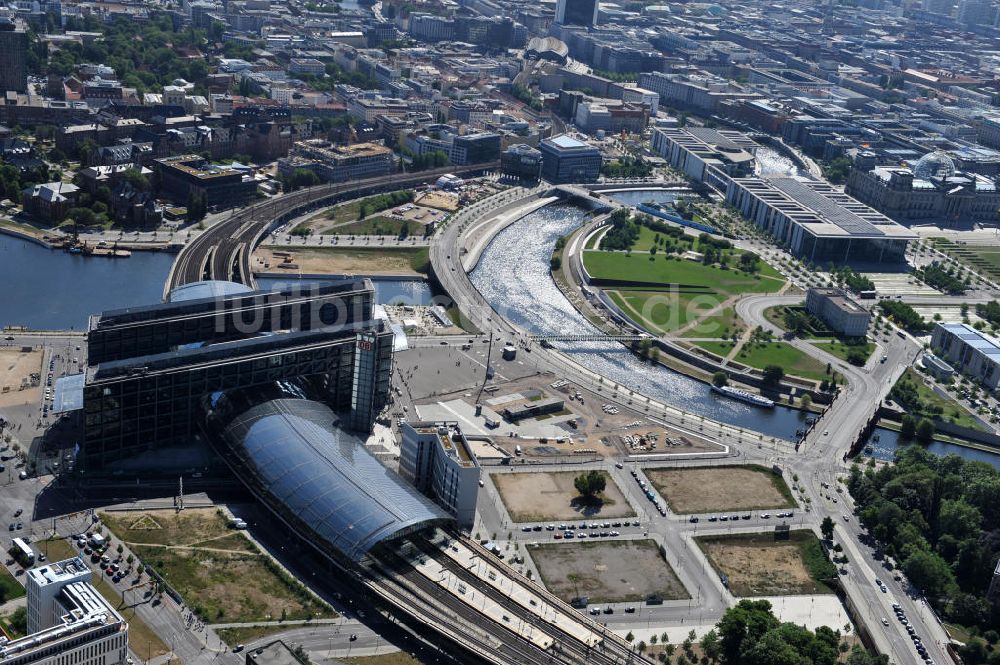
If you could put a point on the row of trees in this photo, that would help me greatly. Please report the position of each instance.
(904, 315)
(850, 279)
(939, 517)
(944, 279)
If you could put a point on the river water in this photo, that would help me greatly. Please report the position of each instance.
(47, 289)
(889, 441)
(771, 162)
(513, 276)
(387, 291)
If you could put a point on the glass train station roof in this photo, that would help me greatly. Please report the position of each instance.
(293, 452)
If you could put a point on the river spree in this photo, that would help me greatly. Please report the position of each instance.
(47, 289)
(513, 276)
(888, 441)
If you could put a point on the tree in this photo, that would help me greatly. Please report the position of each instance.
(719, 379)
(925, 431)
(711, 646)
(590, 484)
(930, 572)
(806, 401)
(826, 528)
(137, 179)
(773, 374)
(907, 427)
(196, 206)
(796, 321)
(19, 620)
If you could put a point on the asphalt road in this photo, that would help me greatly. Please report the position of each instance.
(821, 458)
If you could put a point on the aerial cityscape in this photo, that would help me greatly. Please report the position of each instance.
(400, 332)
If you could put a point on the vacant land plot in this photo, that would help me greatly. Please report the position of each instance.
(349, 260)
(612, 571)
(758, 565)
(639, 269)
(217, 585)
(540, 497)
(720, 488)
(168, 527)
(16, 368)
(210, 564)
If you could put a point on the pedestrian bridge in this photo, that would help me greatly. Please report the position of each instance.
(588, 338)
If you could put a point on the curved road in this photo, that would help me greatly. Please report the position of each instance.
(820, 460)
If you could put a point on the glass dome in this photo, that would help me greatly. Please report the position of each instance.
(934, 165)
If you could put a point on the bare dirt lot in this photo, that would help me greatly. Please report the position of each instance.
(720, 488)
(758, 565)
(544, 496)
(16, 368)
(611, 571)
(335, 261)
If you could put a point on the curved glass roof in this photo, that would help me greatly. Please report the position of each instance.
(210, 288)
(325, 477)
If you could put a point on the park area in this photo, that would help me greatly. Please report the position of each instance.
(984, 259)
(665, 292)
(758, 564)
(763, 353)
(720, 488)
(209, 564)
(612, 571)
(552, 495)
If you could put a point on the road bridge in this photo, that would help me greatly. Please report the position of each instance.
(588, 338)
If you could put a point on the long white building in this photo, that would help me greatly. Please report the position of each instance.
(69, 621)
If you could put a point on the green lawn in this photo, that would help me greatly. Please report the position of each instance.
(721, 324)
(983, 258)
(951, 410)
(661, 312)
(379, 225)
(839, 349)
(759, 356)
(10, 588)
(640, 268)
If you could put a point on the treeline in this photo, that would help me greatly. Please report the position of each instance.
(848, 278)
(382, 202)
(629, 167)
(990, 312)
(943, 279)
(623, 232)
(939, 518)
(904, 316)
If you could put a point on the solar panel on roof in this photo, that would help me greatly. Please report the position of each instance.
(828, 209)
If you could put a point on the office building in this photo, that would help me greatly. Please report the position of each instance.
(221, 187)
(474, 149)
(970, 351)
(437, 459)
(839, 311)
(817, 222)
(68, 621)
(705, 155)
(158, 364)
(335, 163)
(566, 159)
(521, 161)
(577, 12)
(13, 57)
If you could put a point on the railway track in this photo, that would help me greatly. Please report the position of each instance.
(223, 251)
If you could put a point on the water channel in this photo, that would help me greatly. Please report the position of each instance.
(387, 291)
(47, 289)
(888, 441)
(513, 276)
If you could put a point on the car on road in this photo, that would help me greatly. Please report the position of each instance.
(354, 637)
(238, 648)
(609, 610)
(693, 519)
(629, 610)
(619, 465)
(18, 512)
(885, 622)
(765, 516)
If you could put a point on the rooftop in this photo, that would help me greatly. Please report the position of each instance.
(981, 342)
